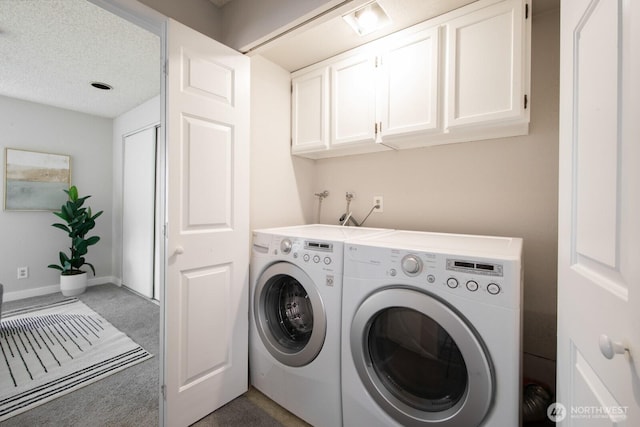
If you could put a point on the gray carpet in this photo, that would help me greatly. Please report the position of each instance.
(130, 398)
(127, 398)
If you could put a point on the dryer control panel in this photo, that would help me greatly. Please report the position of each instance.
(493, 281)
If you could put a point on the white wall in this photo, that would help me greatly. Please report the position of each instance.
(201, 15)
(27, 237)
(245, 22)
(141, 117)
(281, 185)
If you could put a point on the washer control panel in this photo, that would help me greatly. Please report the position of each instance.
(310, 252)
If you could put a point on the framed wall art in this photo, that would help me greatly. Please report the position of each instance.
(35, 181)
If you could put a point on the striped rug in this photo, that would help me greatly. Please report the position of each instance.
(50, 350)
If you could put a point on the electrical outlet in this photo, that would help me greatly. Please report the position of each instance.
(377, 201)
(23, 272)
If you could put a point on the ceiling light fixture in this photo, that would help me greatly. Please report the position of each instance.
(368, 18)
(101, 86)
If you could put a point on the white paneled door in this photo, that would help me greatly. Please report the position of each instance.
(206, 280)
(599, 215)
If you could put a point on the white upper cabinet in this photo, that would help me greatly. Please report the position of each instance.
(310, 117)
(408, 86)
(487, 66)
(462, 76)
(353, 101)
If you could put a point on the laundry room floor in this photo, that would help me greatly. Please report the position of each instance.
(286, 418)
(252, 409)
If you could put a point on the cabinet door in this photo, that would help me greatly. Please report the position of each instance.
(408, 87)
(353, 101)
(487, 53)
(310, 111)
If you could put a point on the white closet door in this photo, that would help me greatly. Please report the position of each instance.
(599, 207)
(139, 211)
(206, 293)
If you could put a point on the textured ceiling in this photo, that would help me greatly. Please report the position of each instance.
(52, 50)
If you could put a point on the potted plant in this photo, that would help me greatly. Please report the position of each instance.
(79, 221)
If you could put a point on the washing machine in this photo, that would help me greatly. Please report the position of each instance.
(295, 309)
(431, 331)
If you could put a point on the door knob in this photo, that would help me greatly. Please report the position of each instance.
(611, 348)
(179, 250)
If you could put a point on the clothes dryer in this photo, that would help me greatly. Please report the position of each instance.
(431, 331)
(295, 310)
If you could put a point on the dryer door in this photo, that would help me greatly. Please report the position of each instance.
(289, 314)
(420, 360)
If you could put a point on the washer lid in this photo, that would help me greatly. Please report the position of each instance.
(289, 314)
(420, 360)
(334, 233)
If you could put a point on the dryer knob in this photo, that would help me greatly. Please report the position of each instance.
(411, 265)
(285, 246)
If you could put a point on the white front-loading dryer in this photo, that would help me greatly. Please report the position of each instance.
(295, 311)
(431, 331)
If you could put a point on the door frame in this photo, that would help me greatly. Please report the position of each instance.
(156, 23)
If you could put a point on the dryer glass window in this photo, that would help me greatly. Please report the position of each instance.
(289, 312)
(416, 359)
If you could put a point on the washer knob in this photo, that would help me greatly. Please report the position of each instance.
(493, 288)
(285, 246)
(411, 265)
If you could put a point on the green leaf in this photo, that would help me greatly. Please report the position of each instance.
(80, 246)
(96, 215)
(62, 227)
(73, 193)
(92, 240)
(91, 266)
(68, 212)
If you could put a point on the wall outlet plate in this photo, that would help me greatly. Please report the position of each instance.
(377, 200)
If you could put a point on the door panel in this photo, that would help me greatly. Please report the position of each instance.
(310, 111)
(598, 65)
(409, 95)
(206, 325)
(485, 74)
(353, 101)
(208, 174)
(599, 207)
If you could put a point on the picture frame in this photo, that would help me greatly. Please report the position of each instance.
(34, 181)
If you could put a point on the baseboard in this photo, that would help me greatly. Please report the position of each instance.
(52, 289)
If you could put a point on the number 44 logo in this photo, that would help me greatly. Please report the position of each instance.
(556, 412)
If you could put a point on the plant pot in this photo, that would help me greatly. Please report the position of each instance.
(73, 284)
